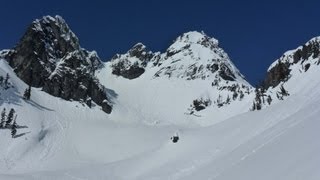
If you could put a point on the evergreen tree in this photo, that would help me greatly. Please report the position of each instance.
(279, 97)
(235, 95)
(253, 107)
(6, 82)
(241, 95)
(258, 99)
(1, 80)
(3, 118)
(219, 101)
(283, 91)
(228, 100)
(27, 93)
(258, 106)
(29, 90)
(269, 99)
(89, 102)
(10, 117)
(14, 129)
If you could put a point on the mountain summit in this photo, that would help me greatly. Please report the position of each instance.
(194, 71)
(195, 55)
(192, 55)
(49, 56)
(186, 113)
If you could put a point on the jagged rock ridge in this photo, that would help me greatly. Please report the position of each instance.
(280, 70)
(193, 56)
(132, 64)
(49, 56)
(291, 65)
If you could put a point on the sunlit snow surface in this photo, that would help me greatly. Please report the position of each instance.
(67, 140)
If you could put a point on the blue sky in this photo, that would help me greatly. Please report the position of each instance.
(253, 33)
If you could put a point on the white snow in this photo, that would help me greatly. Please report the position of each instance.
(288, 55)
(67, 140)
(162, 100)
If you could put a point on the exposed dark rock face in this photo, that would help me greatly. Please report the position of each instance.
(49, 56)
(134, 71)
(293, 63)
(279, 73)
(213, 67)
(201, 104)
(195, 55)
(226, 73)
(132, 64)
(139, 51)
(308, 50)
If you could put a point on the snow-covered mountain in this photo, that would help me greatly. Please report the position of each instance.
(193, 80)
(181, 114)
(49, 56)
(287, 75)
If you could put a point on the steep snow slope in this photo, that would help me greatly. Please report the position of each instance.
(193, 83)
(275, 143)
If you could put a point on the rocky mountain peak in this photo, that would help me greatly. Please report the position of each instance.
(132, 64)
(55, 32)
(49, 56)
(141, 52)
(136, 49)
(195, 55)
(195, 37)
(192, 41)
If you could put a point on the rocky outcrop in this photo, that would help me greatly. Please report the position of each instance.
(303, 55)
(277, 74)
(4, 53)
(311, 49)
(132, 64)
(201, 104)
(292, 65)
(49, 56)
(226, 74)
(195, 55)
